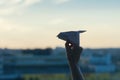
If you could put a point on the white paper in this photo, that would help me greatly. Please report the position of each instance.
(72, 36)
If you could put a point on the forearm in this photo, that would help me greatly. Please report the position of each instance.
(75, 71)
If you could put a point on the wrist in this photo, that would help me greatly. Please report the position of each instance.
(71, 63)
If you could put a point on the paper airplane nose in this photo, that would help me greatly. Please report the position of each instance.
(72, 36)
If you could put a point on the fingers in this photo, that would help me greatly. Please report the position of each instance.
(81, 49)
(73, 51)
(72, 46)
(68, 45)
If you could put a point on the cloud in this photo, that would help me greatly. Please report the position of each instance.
(8, 7)
(1, 20)
(60, 1)
(30, 2)
(10, 26)
(6, 26)
(57, 21)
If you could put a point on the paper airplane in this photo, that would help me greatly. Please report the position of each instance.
(71, 36)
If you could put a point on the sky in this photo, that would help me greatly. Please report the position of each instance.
(36, 23)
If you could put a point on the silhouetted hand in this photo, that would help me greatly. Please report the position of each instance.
(73, 52)
(73, 55)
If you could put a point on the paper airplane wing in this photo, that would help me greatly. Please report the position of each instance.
(72, 36)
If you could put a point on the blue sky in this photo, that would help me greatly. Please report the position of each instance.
(35, 23)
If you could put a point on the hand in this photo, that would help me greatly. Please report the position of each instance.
(73, 52)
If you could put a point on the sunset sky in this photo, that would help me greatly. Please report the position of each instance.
(36, 23)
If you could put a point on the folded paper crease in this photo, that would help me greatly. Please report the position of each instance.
(71, 36)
